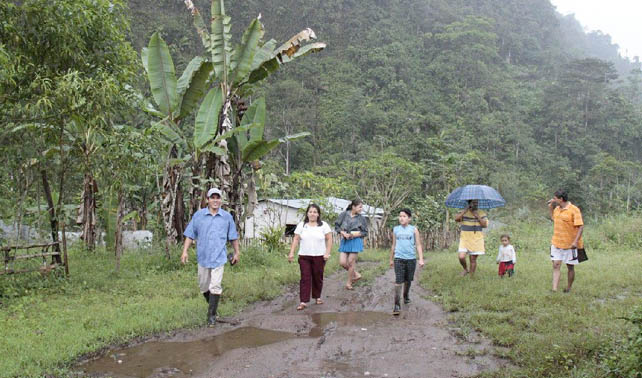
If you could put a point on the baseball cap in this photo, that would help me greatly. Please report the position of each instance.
(214, 191)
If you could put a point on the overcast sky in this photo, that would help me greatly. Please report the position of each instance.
(621, 19)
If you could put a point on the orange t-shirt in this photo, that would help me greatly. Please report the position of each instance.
(565, 224)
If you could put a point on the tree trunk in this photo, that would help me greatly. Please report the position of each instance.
(87, 212)
(143, 213)
(172, 205)
(235, 197)
(446, 227)
(201, 168)
(118, 236)
(53, 220)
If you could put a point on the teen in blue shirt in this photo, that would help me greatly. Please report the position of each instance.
(405, 240)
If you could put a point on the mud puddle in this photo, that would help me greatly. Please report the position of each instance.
(351, 318)
(352, 334)
(187, 358)
(179, 358)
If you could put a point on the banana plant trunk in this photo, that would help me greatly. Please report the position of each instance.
(172, 205)
(197, 192)
(235, 198)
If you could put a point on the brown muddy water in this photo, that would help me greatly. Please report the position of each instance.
(187, 358)
(352, 334)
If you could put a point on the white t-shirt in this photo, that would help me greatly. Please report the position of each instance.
(506, 254)
(312, 238)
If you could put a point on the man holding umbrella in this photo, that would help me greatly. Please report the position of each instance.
(471, 239)
(472, 198)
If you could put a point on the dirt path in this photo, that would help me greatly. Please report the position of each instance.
(351, 335)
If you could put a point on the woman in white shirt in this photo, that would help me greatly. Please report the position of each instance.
(315, 237)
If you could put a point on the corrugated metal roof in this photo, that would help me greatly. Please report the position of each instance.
(338, 205)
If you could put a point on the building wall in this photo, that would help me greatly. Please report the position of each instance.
(269, 214)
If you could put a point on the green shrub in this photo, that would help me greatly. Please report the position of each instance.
(271, 238)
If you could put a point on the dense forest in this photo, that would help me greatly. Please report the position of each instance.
(410, 99)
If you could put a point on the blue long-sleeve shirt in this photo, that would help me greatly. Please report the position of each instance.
(211, 233)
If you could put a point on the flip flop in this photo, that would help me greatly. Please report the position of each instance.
(356, 279)
(301, 306)
(319, 301)
(349, 287)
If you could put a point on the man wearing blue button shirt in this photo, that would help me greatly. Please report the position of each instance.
(211, 228)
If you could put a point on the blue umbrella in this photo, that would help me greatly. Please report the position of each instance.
(488, 197)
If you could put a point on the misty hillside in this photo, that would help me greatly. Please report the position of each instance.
(508, 93)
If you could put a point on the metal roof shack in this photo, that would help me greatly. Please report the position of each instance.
(338, 205)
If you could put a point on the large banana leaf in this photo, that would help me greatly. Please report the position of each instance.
(220, 41)
(215, 150)
(294, 136)
(162, 78)
(256, 115)
(209, 146)
(144, 56)
(290, 50)
(254, 118)
(192, 85)
(207, 117)
(171, 133)
(199, 23)
(311, 48)
(256, 149)
(263, 54)
(290, 47)
(149, 108)
(244, 54)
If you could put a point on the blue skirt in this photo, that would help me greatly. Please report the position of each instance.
(351, 246)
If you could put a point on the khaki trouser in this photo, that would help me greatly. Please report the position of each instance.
(210, 279)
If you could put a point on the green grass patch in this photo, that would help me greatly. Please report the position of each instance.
(47, 323)
(545, 334)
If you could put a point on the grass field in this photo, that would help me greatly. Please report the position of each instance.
(47, 323)
(544, 333)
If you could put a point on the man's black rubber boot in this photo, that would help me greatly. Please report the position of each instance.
(397, 309)
(207, 296)
(406, 292)
(211, 311)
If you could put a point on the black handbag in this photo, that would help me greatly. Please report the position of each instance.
(581, 255)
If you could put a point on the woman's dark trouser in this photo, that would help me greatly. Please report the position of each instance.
(311, 277)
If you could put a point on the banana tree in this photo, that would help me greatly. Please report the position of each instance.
(246, 149)
(236, 70)
(175, 100)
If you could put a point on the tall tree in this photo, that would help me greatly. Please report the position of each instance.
(70, 65)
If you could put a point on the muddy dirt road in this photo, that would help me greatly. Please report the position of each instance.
(352, 334)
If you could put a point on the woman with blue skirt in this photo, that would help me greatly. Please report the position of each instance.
(352, 227)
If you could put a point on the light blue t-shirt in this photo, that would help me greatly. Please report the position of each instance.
(211, 233)
(405, 246)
